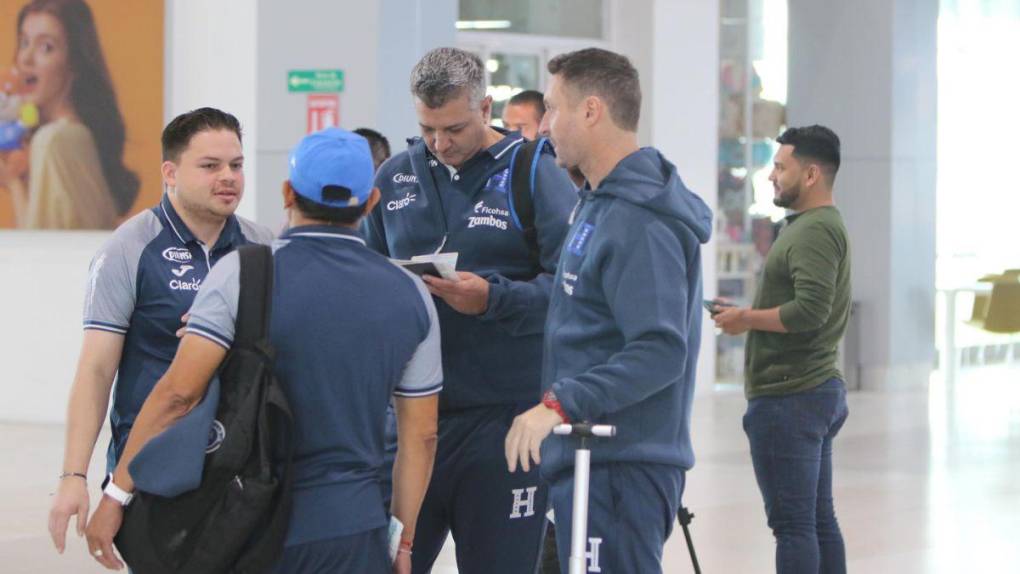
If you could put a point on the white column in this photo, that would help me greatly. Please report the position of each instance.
(675, 46)
(212, 60)
(867, 70)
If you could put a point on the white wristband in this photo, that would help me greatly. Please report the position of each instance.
(117, 493)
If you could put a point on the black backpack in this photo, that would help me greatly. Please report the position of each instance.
(523, 166)
(236, 520)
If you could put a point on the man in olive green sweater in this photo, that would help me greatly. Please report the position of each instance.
(796, 394)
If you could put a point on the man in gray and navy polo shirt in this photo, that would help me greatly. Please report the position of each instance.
(141, 282)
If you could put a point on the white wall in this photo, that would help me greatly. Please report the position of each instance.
(878, 92)
(212, 60)
(42, 287)
(674, 44)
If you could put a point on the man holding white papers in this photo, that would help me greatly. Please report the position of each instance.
(451, 192)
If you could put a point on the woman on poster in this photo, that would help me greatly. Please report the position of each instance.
(76, 178)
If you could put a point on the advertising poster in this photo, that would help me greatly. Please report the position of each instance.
(81, 112)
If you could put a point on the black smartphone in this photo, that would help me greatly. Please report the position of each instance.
(714, 307)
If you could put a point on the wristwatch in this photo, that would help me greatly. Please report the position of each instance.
(117, 493)
(551, 402)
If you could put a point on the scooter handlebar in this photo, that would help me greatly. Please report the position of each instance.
(585, 430)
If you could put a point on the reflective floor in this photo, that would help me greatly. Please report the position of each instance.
(926, 481)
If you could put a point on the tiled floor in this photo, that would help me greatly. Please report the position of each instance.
(925, 482)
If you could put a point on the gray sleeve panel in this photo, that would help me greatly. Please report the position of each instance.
(256, 233)
(214, 311)
(113, 273)
(423, 375)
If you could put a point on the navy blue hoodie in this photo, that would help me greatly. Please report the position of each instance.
(624, 323)
(494, 358)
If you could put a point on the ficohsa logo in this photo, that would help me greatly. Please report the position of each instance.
(177, 255)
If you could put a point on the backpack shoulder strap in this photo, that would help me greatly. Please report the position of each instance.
(255, 300)
(523, 167)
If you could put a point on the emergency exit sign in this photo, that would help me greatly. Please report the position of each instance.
(315, 81)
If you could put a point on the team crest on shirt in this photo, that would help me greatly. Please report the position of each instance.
(216, 435)
(500, 181)
(580, 238)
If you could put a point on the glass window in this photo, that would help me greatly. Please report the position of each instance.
(565, 18)
(508, 75)
(752, 108)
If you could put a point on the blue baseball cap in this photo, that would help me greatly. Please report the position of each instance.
(332, 167)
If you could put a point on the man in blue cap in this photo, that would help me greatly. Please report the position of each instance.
(350, 330)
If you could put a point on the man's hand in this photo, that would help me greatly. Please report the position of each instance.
(402, 565)
(469, 296)
(72, 499)
(524, 441)
(100, 532)
(733, 320)
(184, 327)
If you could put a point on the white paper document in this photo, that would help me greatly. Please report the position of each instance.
(437, 264)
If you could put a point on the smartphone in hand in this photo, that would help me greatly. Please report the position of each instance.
(714, 307)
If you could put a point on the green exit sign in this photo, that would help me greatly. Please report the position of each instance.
(315, 81)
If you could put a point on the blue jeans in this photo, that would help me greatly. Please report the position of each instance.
(791, 448)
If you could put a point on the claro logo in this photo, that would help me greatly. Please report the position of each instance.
(402, 202)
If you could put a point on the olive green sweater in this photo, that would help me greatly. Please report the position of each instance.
(806, 275)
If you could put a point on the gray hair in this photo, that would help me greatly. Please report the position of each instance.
(444, 74)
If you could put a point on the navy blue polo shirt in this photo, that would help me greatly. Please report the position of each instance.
(143, 279)
(350, 330)
(493, 358)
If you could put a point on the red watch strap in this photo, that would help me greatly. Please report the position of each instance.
(550, 401)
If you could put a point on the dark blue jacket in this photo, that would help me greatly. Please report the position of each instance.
(624, 323)
(494, 358)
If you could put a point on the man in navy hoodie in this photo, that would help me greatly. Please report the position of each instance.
(451, 192)
(624, 321)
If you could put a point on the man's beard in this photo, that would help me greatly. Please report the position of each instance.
(787, 197)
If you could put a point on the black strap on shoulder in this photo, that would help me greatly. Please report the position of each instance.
(254, 303)
(523, 164)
